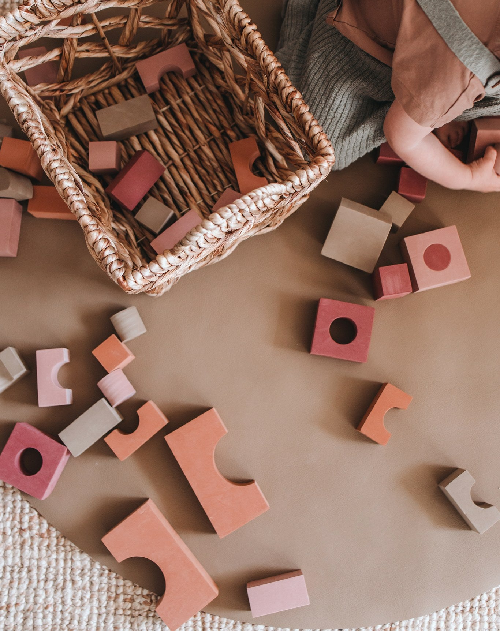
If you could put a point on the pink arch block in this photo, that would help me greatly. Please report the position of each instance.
(177, 59)
(243, 154)
(50, 391)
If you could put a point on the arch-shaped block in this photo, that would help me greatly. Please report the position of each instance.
(479, 516)
(176, 59)
(372, 424)
(48, 364)
(146, 533)
(151, 420)
(228, 505)
(243, 154)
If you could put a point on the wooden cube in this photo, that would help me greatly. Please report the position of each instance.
(154, 215)
(19, 155)
(391, 281)
(113, 354)
(412, 185)
(46, 203)
(385, 155)
(484, 132)
(10, 226)
(399, 208)
(128, 118)
(104, 156)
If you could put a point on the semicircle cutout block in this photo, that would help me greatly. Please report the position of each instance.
(372, 423)
(48, 364)
(176, 59)
(243, 154)
(228, 505)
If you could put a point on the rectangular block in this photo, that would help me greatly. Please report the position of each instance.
(113, 354)
(154, 215)
(19, 155)
(484, 132)
(135, 179)
(412, 185)
(10, 227)
(176, 232)
(357, 236)
(50, 391)
(229, 196)
(399, 208)
(391, 281)
(105, 156)
(126, 119)
(277, 593)
(12, 368)
(15, 186)
(46, 203)
(385, 155)
(42, 73)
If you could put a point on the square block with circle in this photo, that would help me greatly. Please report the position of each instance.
(361, 319)
(113, 354)
(435, 258)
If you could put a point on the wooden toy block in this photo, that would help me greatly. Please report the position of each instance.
(128, 118)
(372, 423)
(154, 215)
(176, 232)
(15, 186)
(497, 161)
(386, 155)
(151, 420)
(391, 281)
(362, 318)
(12, 368)
(89, 427)
(357, 235)
(228, 197)
(479, 516)
(46, 203)
(10, 226)
(135, 179)
(54, 459)
(412, 185)
(435, 258)
(50, 391)
(399, 208)
(128, 324)
(116, 387)
(483, 133)
(19, 156)
(43, 73)
(458, 153)
(277, 593)
(113, 354)
(228, 505)
(105, 156)
(243, 154)
(176, 59)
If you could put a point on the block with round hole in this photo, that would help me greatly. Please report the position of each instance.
(48, 363)
(372, 424)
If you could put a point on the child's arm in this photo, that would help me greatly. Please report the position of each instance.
(423, 151)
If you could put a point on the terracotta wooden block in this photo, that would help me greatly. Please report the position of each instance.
(43, 73)
(435, 258)
(357, 236)
(372, 423)
(277, 593)
(54, 459)
(391, 281)
(15, 186)
(128, 324)
(243, 154)
(116, 387)
(46, 203)
(399, 208)
(135, 179)
(176, 232)
(10, 227)
(105, 156)
(151, 420)
(89, 427)
(386, 155)
(113, 354)
(479, 516)
(12, 368)
(126, 119)
(50, 391)
(228, 505)
(484, 132)
(176, 59)
(362, 318)
(146, 533)
(228, 197)
(155, 215)
(412, 185)
(18, 155)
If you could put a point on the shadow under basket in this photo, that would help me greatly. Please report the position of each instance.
(239, 90)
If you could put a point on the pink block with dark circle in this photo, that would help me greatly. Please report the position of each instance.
(176, 59)
(43, 73)
(243, 154)
(176, 232)
(362, 319)
(392, 281)
(387, 156)
(412, 185)
(54, 459)
(116, 387)
(50, 391)
(435, 258)
(10, 226)
(277, 593)
(135, 179)
(229, 196)
(104, 156)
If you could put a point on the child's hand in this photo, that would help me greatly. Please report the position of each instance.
(483, 175)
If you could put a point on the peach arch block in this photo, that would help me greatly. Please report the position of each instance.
(243, 154)
(177, 59)
(372, 424)
(228, 505)
(146, 533)
(50, 391)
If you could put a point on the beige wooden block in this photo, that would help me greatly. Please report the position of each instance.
(12, 368)
(357, 235)
(15, 186)
(128, 324)
(399, 208)
(154, 215)
(128, 118)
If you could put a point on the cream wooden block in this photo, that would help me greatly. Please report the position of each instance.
(154, 215)
(15, 186)
(399, 208)
(357, 235)
(128, 118)
(12, 368)
(128, 324)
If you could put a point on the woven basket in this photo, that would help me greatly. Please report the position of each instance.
(239, 90)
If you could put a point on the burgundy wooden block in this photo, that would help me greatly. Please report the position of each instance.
(104, 156)
(177, 59)
(176, 232)
(43, 73)
(135, 179)
(10, 226)
(412, 185)
(391, 281)
(229, 196)
(484, 131)
(54, 459)
(362, 318)
(458, 153)
(243, 154)
(386, 155)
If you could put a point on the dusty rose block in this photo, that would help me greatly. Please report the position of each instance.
(104, 156)
(48, 363)
(176, 232)
(43, 73)
(386, 155)
(277, 593)
(10, 226)
(229, 196)
(391, 281)
(116, 387)
(135, 179)
(177, 59)
(412, 185)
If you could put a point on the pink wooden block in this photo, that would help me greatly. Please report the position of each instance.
(485, 131)
(277, 593)
(176, 232)
(135, 179)
(10, 226)
(104, 156)
(497, 161)
(435, 258)
(228, 197)
(387, 156)
(412, 185)
(43, 73)
(50, 391)
(177, 59)
(54, 459)
(243, 154)
(116, 387)
(391, 281)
